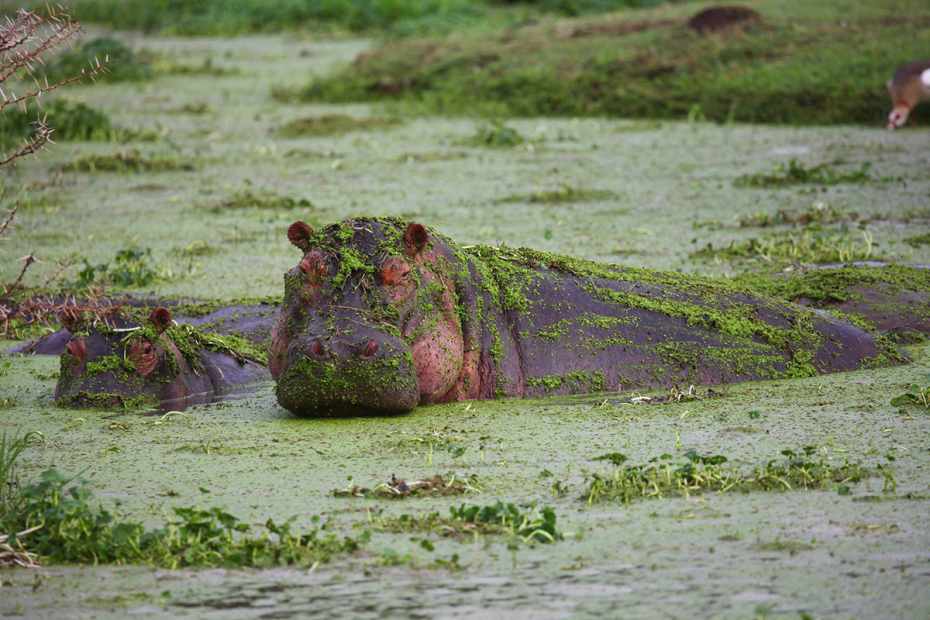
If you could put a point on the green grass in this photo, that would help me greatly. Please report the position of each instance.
(792, 69)
(229, 17)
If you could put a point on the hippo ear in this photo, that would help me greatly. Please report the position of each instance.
(415, 238)
(299, 234)
(161, 319)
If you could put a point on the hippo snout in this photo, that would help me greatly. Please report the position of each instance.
(346, 376)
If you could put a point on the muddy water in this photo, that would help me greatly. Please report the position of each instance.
(761, 554)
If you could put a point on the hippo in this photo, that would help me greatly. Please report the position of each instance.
(381, 315)
(155, 362)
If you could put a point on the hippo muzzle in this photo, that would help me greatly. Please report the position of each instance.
(357, 371)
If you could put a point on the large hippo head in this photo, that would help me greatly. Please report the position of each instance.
(371, 320)
(128, 364)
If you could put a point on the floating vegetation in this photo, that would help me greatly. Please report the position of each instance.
(122, 64)
(334, 125)
(165, 65)
(496, 135)
(918, 241)
(131, 267)
(811, 245)
(196, 249)
(55, 519)
(127, 161)
(437, 486)
(529, 523)
(564, 194)
(916, 397)
(818, 213)
(663, 476)
(248, 199)
(796, 173)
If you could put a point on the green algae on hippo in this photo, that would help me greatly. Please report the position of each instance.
(155, 362)
(381, 315)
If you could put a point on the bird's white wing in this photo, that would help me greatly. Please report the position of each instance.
(925, 77)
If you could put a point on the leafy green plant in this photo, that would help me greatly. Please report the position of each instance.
(916, 396)
(528, 523)
(663, 476)
(495, 135)
(57, 519)
(130, 268)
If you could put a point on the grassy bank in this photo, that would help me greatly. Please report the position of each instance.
(230, 17)
(826, 64)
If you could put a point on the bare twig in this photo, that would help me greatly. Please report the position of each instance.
(8, 220)
(27, 261)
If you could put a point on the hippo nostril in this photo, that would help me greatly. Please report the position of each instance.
(317, 348)
(370, 349)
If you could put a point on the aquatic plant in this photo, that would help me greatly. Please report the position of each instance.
(916, 396)
(130, 267)
(495, 135)
(396, 488)
(810, 245)
(528, 523)
(665, 476)
(333, 125)
(56, 518)
(127, 161)
(795, 173)
(564, 194)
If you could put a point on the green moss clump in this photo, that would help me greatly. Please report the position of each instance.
(575, 381)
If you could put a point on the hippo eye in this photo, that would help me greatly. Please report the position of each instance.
(395, 271)
(315, 267)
